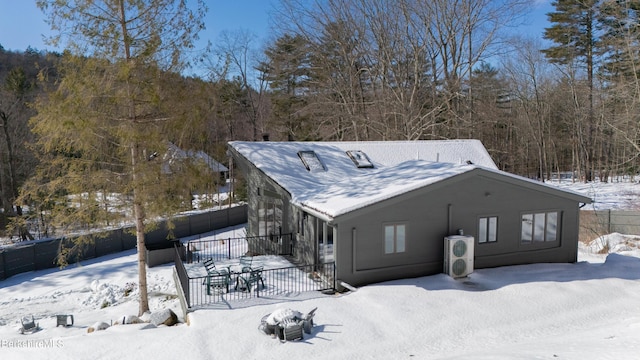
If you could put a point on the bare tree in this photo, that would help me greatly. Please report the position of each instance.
(528, 73)
(16, 161)
(400, 66)
(238, 60)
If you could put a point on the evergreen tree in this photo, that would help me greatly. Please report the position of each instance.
(573, 30)
(286, 70)
(620, 48)
(106, 126)
(620, 40)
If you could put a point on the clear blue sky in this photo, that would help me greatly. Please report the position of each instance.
(537, 20)
(22, 23)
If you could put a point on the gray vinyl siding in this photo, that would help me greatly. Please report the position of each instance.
(439, 210)
(430, 214)
(258, 183)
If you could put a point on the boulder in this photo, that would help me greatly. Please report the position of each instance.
(97, 326)
(163, 317)
(146, 317)
(130, 319)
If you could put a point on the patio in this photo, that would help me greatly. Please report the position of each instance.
(282, 279)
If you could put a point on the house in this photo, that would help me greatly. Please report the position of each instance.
(175, 155)
(381, 210)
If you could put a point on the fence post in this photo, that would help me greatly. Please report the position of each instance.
(334, 276)
(4, 265)
(257, 289)
(229, 248)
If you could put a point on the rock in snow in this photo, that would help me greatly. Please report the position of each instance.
(98, 326)
(166, 317)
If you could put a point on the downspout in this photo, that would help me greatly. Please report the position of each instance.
(353, 250)
(449, 218)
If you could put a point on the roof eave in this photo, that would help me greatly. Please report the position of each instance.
(536, 185)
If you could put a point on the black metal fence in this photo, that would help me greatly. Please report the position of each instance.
(278, 283)
(233, 248)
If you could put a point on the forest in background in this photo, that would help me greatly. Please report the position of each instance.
(394, 70)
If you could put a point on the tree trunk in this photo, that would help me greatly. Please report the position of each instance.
(138, 212)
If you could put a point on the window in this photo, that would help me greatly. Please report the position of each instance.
(359, 158)
(324, 241)
(269, 212)
(488, 229)
(311, 161)
(394, 238)
(539, 227)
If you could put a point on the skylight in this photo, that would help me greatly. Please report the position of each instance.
(359, 158)
(311, 161)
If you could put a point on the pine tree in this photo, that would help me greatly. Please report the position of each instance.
(573, 31)
(619, 22)
(104, 129)
(620, 38)
(286, 70)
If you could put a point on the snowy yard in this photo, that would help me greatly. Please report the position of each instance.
(586, 310)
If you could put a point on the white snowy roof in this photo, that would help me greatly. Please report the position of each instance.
(334, 178)
(177, 154)
(336, 184)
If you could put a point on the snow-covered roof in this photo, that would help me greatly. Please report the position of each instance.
(336, 183)
(335, 178)
(334, 198)
(177, 154)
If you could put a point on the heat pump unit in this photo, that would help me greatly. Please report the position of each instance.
(458, 255)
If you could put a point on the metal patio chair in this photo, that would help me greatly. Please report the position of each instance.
(216, 278)
(246, 279)
(290, 329)
(28, 326)
(245, 263)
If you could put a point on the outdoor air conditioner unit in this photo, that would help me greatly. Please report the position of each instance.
(458, 255)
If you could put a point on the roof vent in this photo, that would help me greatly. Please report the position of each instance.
(311, 161)
(360, 159)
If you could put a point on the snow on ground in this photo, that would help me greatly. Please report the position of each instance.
(613, 195)
(613, 243)
(587, 310)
